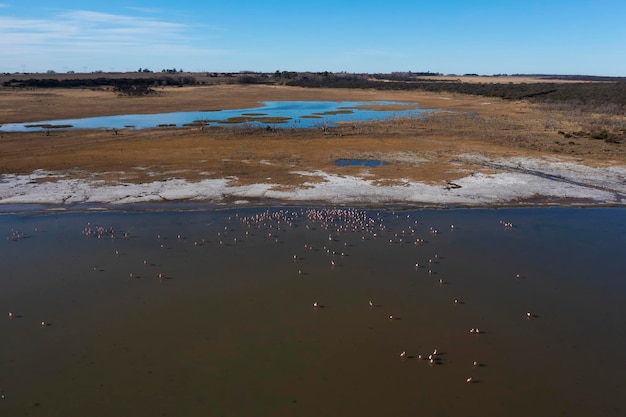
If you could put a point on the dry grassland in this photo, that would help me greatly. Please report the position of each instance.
(429, 149)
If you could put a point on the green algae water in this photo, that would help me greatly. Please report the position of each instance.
(313, 311)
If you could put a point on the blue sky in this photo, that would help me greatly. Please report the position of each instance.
(451, 37)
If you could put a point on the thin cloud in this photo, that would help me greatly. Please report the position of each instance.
(144, 10)
(89, 40)
(86, 31)
(97, 25)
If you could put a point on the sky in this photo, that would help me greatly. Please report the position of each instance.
(584, 37)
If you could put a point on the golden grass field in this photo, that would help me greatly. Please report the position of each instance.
(429, 149)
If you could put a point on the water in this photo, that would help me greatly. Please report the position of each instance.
(360, 162)
(230, 327)
(304, 114)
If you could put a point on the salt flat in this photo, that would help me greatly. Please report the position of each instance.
(519, 181)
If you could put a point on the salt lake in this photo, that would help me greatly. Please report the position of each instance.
(313, 311)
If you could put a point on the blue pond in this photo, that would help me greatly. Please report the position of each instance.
(360, 162)
(298, 114)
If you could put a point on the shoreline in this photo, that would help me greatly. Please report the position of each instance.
(519, 182)
(197, 206)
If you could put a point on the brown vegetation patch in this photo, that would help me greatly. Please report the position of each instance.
(331, 112)
(254, 119)
(389, 107)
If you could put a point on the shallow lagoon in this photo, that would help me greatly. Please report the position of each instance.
(304, 114)
(230, 327)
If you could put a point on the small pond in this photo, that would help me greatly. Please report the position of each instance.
(360, 162)
(276, 114)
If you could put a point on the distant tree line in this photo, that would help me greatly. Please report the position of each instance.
(128, 86)
(252, 79)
